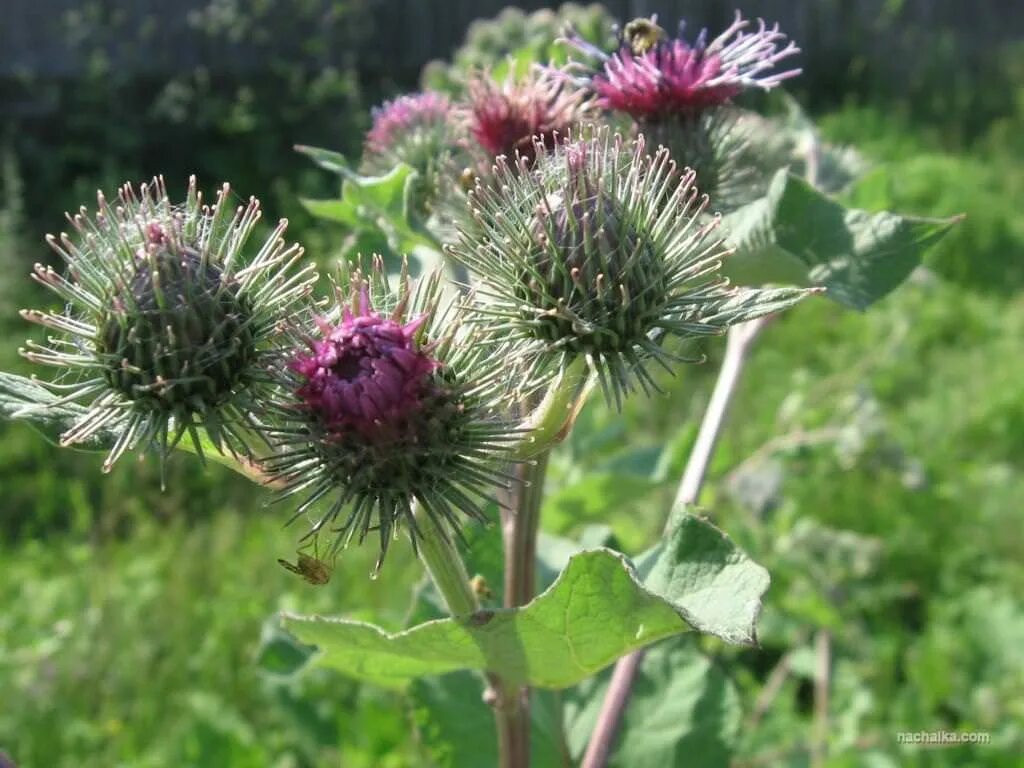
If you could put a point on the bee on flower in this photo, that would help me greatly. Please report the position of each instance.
(681, 94)
(652, 76)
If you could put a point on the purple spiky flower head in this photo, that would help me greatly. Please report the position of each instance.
(397, 405)
(507, 118)
(652, 76)
(393, 120)
(368, 373)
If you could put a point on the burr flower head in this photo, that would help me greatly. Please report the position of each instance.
(507, 119)
(170, 320)
(159, 325)
(652, 76)
(395, 404)
(366, 374)
(597, 250)
(395, 120)
(419, 130)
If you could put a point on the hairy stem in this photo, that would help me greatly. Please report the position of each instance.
(549, 422)
(737, 349)
(520, 523)
(440, 557)
(442, 561)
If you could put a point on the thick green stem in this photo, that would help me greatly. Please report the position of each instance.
(440, 557)
(549, 422)
(443, 563)
(520, 523)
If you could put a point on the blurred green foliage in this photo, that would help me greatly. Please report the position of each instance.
(873, 462)
(513, 41)
(128, 116)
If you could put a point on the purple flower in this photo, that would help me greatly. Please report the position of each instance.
(391, 410)
(504, 118)
(651, 77)
(394, 119)
(367, 374)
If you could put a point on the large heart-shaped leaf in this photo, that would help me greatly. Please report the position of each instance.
(597, 610)
(797, 235)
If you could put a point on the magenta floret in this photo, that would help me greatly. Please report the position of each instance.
(672, 76)
(395, 118)
(367, 374)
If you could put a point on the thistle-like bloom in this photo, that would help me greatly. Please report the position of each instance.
(600, 250)
(652, 77)
(392, 404)
(505, 119)
(420, 130)
(170, 319)
(410, 115)
(367, 374)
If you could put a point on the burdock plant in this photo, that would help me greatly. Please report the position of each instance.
(599, 250)
(171, 319)
(393, 411)
(418, 409)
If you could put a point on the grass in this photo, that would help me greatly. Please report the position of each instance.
(143, 651)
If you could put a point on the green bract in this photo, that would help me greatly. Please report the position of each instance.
(600, 249)
(169, 320)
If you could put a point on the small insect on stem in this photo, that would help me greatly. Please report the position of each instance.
(310, 567)
(480, 588)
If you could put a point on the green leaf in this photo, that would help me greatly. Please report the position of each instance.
(718, 588)
(377, 204)
(590, 498)
(25, 399)
(279, 653)
(797, 235)
(596, 611)
(328, 160)
(683, 711)
(340, 211)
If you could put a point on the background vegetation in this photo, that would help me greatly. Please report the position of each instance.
(873, 462)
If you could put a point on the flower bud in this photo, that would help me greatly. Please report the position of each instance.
(170, 320)
(599, 249)
(419, 130)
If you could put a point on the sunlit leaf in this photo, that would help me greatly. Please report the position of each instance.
(598, 609)
(797, 235)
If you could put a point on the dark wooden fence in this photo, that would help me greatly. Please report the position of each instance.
(34, 34)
